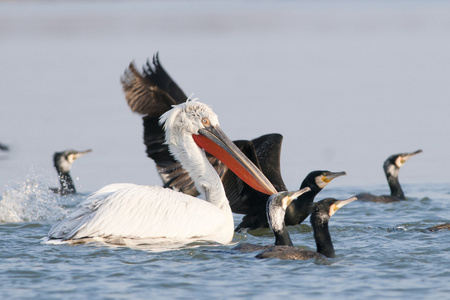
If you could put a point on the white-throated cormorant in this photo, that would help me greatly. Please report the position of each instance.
(63, 163)
(391, 168)
(321, 212)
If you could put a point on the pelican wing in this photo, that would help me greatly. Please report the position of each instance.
(144, 212)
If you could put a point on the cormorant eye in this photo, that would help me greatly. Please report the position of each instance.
(205, 121)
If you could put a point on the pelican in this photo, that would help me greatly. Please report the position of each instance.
(153, 93)
(119, 213)
(63, 163)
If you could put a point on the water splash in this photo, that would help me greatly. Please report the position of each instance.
(30, 201)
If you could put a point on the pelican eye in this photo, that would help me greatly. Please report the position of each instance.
(205, 121)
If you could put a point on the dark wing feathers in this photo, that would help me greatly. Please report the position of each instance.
(142, 95)
(159, 78)
(154, 141)
(268, 152)
(237, 190)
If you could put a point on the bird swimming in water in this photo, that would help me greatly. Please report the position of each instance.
(297, 211)
(320, 216)
(63, 163)
(123, 213)
(248, 247)
(154, 92)
(4, 147)
(391, 168)
(439, 227)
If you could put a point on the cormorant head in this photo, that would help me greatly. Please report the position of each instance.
(63, 160)
(317, 180)
(276, 207)
(394, 162)
(324, 209)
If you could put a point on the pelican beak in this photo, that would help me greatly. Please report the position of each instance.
(81, 153)
(214, 141)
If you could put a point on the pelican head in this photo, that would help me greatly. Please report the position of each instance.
(194, 122)
(186, 119)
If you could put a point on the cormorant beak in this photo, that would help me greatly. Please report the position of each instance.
(340, 203)
(214, 141)
(81, 153)
(404, 157)
(332, 176)
(294, 195)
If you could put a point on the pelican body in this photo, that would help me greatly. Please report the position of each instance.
(121, 212)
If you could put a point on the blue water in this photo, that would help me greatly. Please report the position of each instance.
(383, 251)
(347, 84)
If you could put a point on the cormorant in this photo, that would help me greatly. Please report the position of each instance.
(296, 212)
(63, 163)
(4, 147)
(320, 215)
(391, 168)
(154, 93)
(439, 227)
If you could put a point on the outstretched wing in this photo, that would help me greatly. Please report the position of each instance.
(152, 94)
(268, 151)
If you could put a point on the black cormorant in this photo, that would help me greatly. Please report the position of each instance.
(296, 212)
(439, 227)
(320, 214)
(154, 92)
(63, 163)
(4, 147)
(391, 168)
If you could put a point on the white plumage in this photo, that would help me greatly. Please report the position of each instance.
(128, 211)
